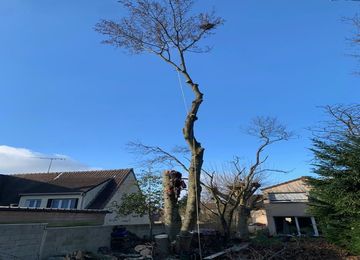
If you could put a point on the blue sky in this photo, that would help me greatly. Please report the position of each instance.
(62, 92)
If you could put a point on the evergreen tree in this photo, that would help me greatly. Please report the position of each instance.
(335, 194)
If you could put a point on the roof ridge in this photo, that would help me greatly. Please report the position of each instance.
(286, 182)
(62, 172)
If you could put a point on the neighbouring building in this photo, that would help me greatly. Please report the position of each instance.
(49, 195)
(286, 209)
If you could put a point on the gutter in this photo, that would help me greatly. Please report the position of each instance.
(54, 193)
(89, 211)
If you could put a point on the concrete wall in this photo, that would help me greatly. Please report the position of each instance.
(37, 241)
(21, 241)
(128, 186)
(64, 240)
(52, 217)
(143, 229)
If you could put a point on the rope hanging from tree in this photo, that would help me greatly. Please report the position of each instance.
(196, 182)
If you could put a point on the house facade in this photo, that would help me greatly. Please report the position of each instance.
(286, 206)
(72, 191)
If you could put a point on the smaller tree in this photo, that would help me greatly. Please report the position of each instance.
(148, 201)
(234, 190)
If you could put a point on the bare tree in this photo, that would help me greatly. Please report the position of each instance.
(355, 38)
(167, 29)
(347, 122)
(227, 191)
(347, 118)
(233, 190)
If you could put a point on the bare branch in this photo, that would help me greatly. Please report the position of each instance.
(158, 26)
(153, 155)
(355, 38)
(347, 122)
(207, 208)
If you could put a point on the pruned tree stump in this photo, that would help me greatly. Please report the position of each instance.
(162, 246)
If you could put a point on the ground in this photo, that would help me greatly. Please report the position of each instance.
(292, 248)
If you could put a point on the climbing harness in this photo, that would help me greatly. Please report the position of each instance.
(176, 183)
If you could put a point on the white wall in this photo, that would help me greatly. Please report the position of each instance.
(128, 186)
(292, 209)
(91, 194)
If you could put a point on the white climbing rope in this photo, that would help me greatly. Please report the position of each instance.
(196, 184)
(183, 93)
(197, 211)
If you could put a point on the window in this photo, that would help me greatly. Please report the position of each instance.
(306, 227)
(33, 203)
(285, 226)
(62, 203)
(296, 226)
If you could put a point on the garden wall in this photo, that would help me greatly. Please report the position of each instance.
(37, 241)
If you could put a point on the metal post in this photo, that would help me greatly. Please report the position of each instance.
(316, 231)
(297, 226)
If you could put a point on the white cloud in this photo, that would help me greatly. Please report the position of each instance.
(22, 160)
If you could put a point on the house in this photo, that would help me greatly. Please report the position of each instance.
(71, 192)
(286, 207)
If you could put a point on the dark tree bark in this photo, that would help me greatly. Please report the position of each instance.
(244, 215)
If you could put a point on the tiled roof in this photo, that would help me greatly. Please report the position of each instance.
(295, 185)
(11, 186)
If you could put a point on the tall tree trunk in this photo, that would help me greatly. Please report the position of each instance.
(244, 214)
(226, 228)
(197, 153)
(172, 219)
(194, 190)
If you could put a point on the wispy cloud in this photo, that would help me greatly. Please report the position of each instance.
(22, 160)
